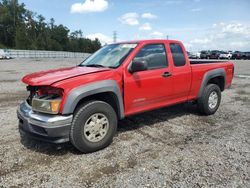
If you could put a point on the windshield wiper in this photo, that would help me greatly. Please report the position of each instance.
(97, 65)
(93, 65)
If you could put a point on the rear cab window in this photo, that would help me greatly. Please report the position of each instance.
(177, 54)
(154, 55)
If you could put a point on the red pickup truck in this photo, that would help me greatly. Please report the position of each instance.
(83, 104)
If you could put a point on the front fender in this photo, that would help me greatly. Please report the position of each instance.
(90, 89)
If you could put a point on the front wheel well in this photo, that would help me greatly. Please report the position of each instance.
(108, 97)
(219, 80)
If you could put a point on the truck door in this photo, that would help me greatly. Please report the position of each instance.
(181, 74)
(150, 88)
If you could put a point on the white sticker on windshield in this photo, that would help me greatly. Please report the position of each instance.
(128, 45)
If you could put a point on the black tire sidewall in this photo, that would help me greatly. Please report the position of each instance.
(82, 114)
(203, 100)
(209, 89)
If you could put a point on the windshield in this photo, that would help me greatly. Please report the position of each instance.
(110, 56)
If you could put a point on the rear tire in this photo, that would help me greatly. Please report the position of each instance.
(210, 100)
(93, 127)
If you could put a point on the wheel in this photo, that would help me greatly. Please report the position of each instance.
(209, 102)
(93, 126)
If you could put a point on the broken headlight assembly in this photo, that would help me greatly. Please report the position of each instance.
(46, 99)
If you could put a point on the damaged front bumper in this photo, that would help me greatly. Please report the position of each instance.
(46, 127)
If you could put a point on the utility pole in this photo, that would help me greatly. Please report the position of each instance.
(114, 36)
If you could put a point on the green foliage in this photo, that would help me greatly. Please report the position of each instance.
(2, 46)
(23, 29)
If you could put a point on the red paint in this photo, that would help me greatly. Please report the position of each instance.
(143, 90)
(51, 76)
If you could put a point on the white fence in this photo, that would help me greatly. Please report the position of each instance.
(43, 54)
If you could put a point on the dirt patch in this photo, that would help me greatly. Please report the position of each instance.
(125, 137)
(12, 99)
(8, 81)
(8, 71)
(109, 170)
(243, 92)
(243, 99)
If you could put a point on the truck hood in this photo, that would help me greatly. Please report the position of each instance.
(52, 76)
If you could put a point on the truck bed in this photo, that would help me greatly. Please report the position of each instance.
(200, 68)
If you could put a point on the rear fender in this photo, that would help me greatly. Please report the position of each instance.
(210, 75)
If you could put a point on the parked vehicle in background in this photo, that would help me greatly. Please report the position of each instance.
(192, 55)
(83, 104)
(4, 54)
(214, 54)
(237, 55)
(205, 54)
(246, 55)
(225, 55)
(198, 55)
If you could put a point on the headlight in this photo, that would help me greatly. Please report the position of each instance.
(45, 99)
(50, 106)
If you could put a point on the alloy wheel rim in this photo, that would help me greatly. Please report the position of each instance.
(213, 100)
(96, 127)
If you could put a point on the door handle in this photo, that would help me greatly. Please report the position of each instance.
(166, 74)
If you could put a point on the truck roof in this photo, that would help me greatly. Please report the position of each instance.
(148, 41)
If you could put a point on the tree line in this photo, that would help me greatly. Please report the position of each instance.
(21, 28)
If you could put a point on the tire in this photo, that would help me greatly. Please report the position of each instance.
(84, 135)
(206, 103)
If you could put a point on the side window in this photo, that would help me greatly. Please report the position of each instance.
(178, 55)
(154, 55)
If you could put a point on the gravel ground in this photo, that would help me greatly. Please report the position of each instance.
(169, 147)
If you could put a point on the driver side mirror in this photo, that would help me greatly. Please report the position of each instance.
(137, 66)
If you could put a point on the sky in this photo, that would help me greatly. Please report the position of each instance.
(199, 24)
